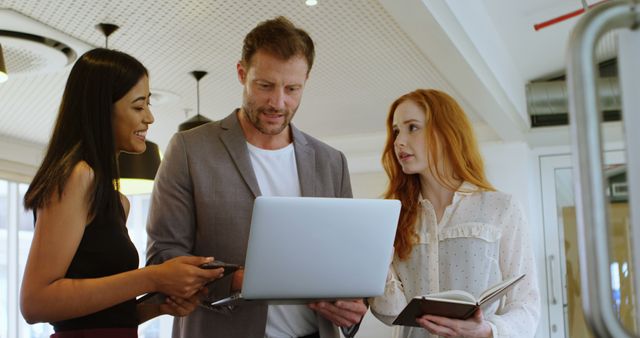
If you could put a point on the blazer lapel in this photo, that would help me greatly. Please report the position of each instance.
(236, 144)
(306, 162)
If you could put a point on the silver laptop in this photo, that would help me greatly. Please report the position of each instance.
(304, 249)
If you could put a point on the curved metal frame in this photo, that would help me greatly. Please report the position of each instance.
(585, 119)
(63, 48)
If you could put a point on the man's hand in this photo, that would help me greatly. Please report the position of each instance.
(180, 307)
(237, 279)
(343, 312)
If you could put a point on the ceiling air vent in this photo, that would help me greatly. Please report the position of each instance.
(31, 47)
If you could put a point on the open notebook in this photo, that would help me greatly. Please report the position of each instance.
(453, 303)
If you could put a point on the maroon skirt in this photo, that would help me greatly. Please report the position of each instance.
(99, 333)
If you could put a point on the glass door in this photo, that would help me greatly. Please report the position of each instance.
(561, 245)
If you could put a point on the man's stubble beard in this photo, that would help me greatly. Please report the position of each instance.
(253, 117)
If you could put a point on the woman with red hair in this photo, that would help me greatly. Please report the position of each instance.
(456, 232)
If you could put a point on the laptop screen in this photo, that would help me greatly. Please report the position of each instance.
(319, 248)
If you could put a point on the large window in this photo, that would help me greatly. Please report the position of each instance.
(16, 233)
(25, 235)
(4, 287)
(136, 223)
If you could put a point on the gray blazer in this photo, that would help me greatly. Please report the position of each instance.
(202, 203)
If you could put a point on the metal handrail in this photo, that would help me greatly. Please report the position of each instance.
(585, 120)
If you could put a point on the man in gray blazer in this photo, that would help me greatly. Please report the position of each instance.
(210, 176)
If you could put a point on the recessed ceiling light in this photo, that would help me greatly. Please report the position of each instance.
(311, 2)
(161, 97)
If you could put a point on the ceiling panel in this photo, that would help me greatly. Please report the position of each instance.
(364, 60)
(541, 54)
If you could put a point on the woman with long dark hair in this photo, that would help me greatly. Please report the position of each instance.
(82, 273)
(456, 232)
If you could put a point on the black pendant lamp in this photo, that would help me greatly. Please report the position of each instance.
(107, 29)
(198, 119)
(140, 166)
(137, 171)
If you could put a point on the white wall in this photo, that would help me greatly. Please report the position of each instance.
(368, 185)
(19, 160)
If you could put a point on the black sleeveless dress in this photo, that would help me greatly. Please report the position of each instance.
(105, 249)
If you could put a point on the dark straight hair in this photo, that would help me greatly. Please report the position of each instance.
(83, 130)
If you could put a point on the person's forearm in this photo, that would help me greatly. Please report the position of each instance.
(71, 298)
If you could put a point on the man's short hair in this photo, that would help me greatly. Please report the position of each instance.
(280, 38)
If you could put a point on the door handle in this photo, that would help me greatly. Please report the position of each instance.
(553, 299)
(589, 187)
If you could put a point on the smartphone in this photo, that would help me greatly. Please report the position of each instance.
(158, 298)
(229, 268)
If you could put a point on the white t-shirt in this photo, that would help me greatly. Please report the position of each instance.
(277, 175)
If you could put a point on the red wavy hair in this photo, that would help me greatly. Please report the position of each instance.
(448, 126)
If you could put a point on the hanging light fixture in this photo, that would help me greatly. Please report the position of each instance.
(198, 119)
(137, 171)
(107, 29)
(3, 68)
